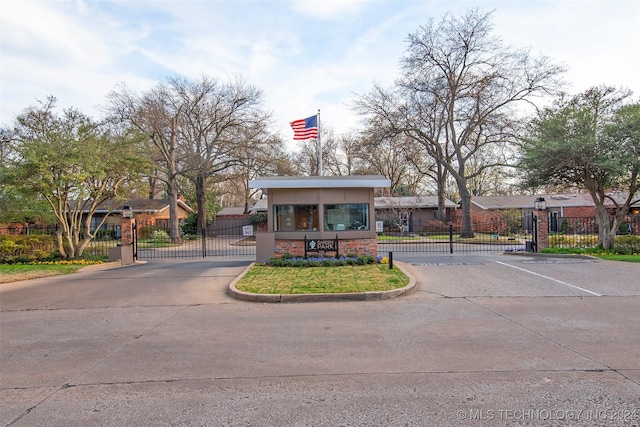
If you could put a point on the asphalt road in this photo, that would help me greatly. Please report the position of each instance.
(485, 340)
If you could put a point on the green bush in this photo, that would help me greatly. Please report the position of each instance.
(582, 240)
(159, 235)
(288, 260)
(189, 225)
(627, 244)
(145, 231)
(369, 259)
(27, 248)
(258, 218)
(105, 235)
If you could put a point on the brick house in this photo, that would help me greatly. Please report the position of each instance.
(152, 212)
(570, 205)
(411, 213)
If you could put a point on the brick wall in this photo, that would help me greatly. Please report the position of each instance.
(345, 246)
(578, 211)
(543, 229)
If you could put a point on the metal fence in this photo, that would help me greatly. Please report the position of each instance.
(228, 240)
(40, 242)
(432, 237)
(582, 232)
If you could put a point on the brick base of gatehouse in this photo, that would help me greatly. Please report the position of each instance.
(357, 247)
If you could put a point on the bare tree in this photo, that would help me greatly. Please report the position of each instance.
(307, 156)
(215, 122)
(260, 153)
(398, 210)
(389, 155)
(157, 114)
(462, 92)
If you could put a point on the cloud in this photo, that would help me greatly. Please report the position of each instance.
(303, 54)
(328, 9)
(597, 40)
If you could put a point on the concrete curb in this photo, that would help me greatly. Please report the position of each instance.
(234, 292)
(545, 255)
(108, 266)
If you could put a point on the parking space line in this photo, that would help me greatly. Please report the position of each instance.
(551, 278)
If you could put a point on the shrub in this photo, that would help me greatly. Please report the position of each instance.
(293, 261)
(105, 234)
(369, 259)
(189, 225)
(258, 218)
(145, 231)
(159, 235)
(627, 244)
(576, 240)
(27, 248)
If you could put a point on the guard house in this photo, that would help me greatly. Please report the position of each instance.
(306, 213)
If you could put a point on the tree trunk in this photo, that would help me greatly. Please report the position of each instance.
(442, 193)
(172, 185)
(201, 195)
(467, 223)
(61, 250)
(606, 236)
(174, 223)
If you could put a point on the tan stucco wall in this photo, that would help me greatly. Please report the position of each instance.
(321, 197)
(355, 240)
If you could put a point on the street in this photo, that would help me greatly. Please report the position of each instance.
(485, 340)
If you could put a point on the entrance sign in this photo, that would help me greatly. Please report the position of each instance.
(320, 245)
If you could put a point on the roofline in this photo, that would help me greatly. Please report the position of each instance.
(354, 181)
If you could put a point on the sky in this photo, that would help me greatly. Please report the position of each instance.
(304, 55)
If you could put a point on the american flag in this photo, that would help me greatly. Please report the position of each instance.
(305, 128)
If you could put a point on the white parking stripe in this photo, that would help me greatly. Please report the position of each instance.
(551, 278)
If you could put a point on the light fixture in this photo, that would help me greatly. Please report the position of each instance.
(540, 204)
(127, 211)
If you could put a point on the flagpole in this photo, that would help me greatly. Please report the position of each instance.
(319, 147)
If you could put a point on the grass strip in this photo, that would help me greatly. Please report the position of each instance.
(17, 272)
(261, 279)
(617, 257)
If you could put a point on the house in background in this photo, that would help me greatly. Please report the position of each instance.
(561, 205)
(229, 221)
(411, 213)
(571, 205)
(151, 212)
(259, 206)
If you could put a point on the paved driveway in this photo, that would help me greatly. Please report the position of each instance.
(486, 340)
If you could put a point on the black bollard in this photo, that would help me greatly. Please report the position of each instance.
(390, 260)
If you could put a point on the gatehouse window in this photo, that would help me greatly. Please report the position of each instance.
(296, 217)
(352, 216)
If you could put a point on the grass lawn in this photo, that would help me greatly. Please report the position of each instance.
(385, 238)
(309, 280)
(16, 272)
(615, 257)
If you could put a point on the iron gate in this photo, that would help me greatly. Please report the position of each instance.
(490, 237)
(229, 240)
